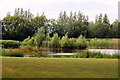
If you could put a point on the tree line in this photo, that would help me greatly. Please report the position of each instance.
(23, 23)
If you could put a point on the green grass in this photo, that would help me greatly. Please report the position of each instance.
(59, 68)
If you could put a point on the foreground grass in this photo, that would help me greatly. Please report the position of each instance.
(59, 68)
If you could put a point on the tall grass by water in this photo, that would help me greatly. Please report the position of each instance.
(103, 43)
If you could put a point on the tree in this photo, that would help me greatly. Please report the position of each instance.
(81, 42)
(100, 18)
(22, 24)
(39, 37)
(105, 19)
(28, 42)
(101, 30)
(90, 30)
(39, 21)
(65, 41)
(55, 41)
(0, 29)
(115, 29)
(74, 25)
(47, 40)
(16, 28)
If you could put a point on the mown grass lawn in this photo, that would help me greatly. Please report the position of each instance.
(59, 68)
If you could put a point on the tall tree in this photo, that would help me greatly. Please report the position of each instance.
(100, 18)
(105, 19)
(16, 28)
(39, 21)
(39, 36)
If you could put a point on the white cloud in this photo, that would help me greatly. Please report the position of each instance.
(53, 7)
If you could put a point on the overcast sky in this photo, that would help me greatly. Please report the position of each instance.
(52, 8)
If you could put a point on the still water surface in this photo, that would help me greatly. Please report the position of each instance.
(72, 52)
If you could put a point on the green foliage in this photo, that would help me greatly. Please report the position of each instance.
(115, 55)
(103, 43)
(25, 41)
(28, 42)
(65, 41)
(55, 41)
(46, 42)
(23, 24)
(39, 37)
(16, 28)
(81, 42)
(106, 56)
(48, 38)
(10, 53)
(72, 43)
(10, 43)
(31, 54)
(88, 54)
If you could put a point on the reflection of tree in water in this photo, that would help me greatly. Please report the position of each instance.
(66, 50)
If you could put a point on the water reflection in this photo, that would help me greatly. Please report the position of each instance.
(66, 51)
(106, 51)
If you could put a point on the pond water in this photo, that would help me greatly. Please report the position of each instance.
(68, 52)
(106, 51)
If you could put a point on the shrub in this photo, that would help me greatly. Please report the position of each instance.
(95, 54)
(17, 54)
(10, 43)
(88, 54)
(46, 42)
(28, 42)
(39, 37)
(81, 42)
(81, 54)
(115, 55)
(101, 43)
(72, 43)
(10, 53)
(55, 41)
(106, 56)
(31, 54)
(65, 42)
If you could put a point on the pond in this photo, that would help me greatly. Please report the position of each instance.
(106, 51)
(68, 52)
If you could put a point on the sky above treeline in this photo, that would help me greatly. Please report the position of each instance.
(52, 8)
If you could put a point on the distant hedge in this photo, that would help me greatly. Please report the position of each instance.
(10, 43)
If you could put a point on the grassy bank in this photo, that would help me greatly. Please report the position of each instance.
(103, 43)
(59, 68)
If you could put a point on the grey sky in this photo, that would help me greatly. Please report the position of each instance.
(51, 8)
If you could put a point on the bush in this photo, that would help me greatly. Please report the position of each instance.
(88, 54)
(28, 42)
(115, 55)
(101, 43)
(82, 54)
(95, 54)
(81, 42)
(39, 37)
(10, 43)
(72, 43)
(10, 53)
(65, 42)
(106, 56)
(31, 54)
(46, 42)
(55, 41)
